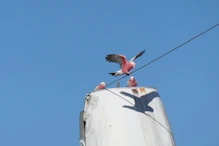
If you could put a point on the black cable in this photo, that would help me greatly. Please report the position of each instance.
(166, 53)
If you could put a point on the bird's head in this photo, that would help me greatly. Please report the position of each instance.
(102, 83)
(132, 78)
(133, 64)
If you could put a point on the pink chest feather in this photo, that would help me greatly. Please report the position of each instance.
(126, 68)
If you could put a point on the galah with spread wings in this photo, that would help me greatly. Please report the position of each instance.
(125, 66)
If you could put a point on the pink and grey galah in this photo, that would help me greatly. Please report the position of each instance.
(125, 66)
(100, 86)
(131, 82)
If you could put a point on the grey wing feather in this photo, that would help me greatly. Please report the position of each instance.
(136, 56)
(114, 58)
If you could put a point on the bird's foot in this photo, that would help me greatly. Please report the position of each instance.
(127, 73)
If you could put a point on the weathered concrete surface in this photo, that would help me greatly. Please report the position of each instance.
(126, 117)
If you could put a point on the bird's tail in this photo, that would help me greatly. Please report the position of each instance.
(113, 73)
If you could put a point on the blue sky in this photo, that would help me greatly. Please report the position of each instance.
(53, 52)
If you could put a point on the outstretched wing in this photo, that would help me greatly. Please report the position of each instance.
(136, 56)
(116, 58)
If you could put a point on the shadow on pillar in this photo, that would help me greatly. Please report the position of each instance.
(141, 103)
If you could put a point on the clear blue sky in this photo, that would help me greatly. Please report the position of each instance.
(53, 52)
